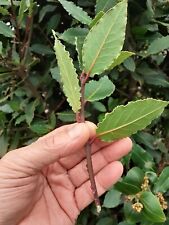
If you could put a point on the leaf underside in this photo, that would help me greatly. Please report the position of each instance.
(120, 59)
(102, 45)
(97, 90)
(75, 11)
(68, 74)
(124, 121)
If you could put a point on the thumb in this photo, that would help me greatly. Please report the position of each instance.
(61, 142)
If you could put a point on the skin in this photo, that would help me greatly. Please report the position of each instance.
(47, 182)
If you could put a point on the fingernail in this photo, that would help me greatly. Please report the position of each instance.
(74, 132)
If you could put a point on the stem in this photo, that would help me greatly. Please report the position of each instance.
(80, 117)
(91, 176)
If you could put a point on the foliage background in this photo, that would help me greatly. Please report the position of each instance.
(32, 102)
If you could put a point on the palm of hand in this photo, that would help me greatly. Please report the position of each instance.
(56, 194)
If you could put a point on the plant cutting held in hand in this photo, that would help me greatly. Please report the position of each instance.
(100, 51)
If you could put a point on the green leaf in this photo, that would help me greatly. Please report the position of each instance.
(46, 9)
(129, 64)
(131, 216)
(112, 198)
(142, 158)
(131, 184)
(40, 127)
(76, 11)
(3, 144)
(151, 207)
(68, 74)
(97, 90)
(162, 184)
(6, 30)
(158, 45)
(96, 19)
(79, 45)
(99, 106)
(4, 11)
(120, 59)
(126, 188)
(22, 8)
(104, 5)
(6, 108)
(105, 221)
(126, 120)
(153, 76)
(71, 34)
(41, 49)
(105, 40)
(67, 116)
(55, 74)
(29, 111)
(1, 48)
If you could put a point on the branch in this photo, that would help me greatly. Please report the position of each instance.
(81, 119)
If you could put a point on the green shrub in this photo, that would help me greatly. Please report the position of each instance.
(32, 102)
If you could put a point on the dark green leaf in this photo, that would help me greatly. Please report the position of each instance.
(46, 9)
(142, 158)
(151, 207)
(162, 184)
(158, 45)
(112, 198)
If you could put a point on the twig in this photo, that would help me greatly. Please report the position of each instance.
(80, 117)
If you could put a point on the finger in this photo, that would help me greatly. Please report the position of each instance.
(62, 142)
(100, 159)
(108, 176)
(69, 163)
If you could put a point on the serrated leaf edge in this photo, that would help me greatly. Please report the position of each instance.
(68, 99)
(70, 2)
(97, 24)
(124, 106)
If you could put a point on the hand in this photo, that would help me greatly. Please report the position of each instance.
(47, 181)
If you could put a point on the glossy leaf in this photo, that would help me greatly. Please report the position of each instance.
(158, 45)
(151, 207)
(120, 59)
(131, 216)
(131, 183)
(142, 158)
(112, 198)
(68, 76)
(162, 184)
(97, 90)
(102, 45)
(126, 120)
(126, 188)
(75, 11)
(6, 30)
(104, 5)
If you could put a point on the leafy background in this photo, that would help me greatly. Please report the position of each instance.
(32, 102)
